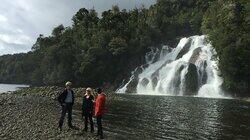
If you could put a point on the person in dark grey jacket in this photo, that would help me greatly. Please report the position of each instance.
(66, 99)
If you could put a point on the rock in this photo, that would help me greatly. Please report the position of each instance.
(177, 79)
(191, 80)
(203, 74)
(156, 73)
(185, 49)
(153, 55)
(145, 82)
(154, 82)
(195, 55)
(145, 66)
(131, 87)
(165, 50)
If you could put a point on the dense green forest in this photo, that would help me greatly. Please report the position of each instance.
(227, 23)
(105, 48)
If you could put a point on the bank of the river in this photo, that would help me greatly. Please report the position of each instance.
(32, 113)
(53, 91)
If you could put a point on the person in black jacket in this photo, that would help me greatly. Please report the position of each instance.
(87, 109)
(66, 99)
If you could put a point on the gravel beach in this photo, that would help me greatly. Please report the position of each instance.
(36, 117)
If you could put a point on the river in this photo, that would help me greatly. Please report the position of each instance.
(176, 117)
(10, 87)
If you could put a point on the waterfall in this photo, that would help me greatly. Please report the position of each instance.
(190, 69)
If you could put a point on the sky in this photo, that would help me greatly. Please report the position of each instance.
(21, 21)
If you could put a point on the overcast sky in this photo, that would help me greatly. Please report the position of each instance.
(21, 21)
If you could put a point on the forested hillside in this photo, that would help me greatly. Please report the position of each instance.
(227, 23)
(104, 49)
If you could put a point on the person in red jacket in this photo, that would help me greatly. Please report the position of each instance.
(100, 110)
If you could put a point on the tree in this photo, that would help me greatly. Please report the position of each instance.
(117, 46)
(102, 49)
(229, 34)
(57, 31)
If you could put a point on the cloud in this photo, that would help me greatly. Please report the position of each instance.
(16, 38)
(3, 18)
(11, 48)
(21, 21)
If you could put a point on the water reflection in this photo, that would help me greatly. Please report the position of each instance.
(163, 117)
(10, 87)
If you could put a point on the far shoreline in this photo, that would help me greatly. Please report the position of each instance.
(54, 90)
(11, 87)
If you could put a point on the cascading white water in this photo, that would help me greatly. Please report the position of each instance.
(188, 69)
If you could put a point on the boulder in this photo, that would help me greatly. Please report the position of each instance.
(203, 74)
(156, 73)
(131, 87)
(185, 49)
(177, 79)
(145, 82)
(154, 82)
(191, 80)
(195, 55)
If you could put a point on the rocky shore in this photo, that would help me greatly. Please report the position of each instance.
(33, 113)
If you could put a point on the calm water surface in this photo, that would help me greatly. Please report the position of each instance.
(165, 117)
(10, 87)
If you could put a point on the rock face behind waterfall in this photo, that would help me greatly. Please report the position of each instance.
(187, 70)
(195, 55)
(191, 82)
(185, 49)
(131, 86)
